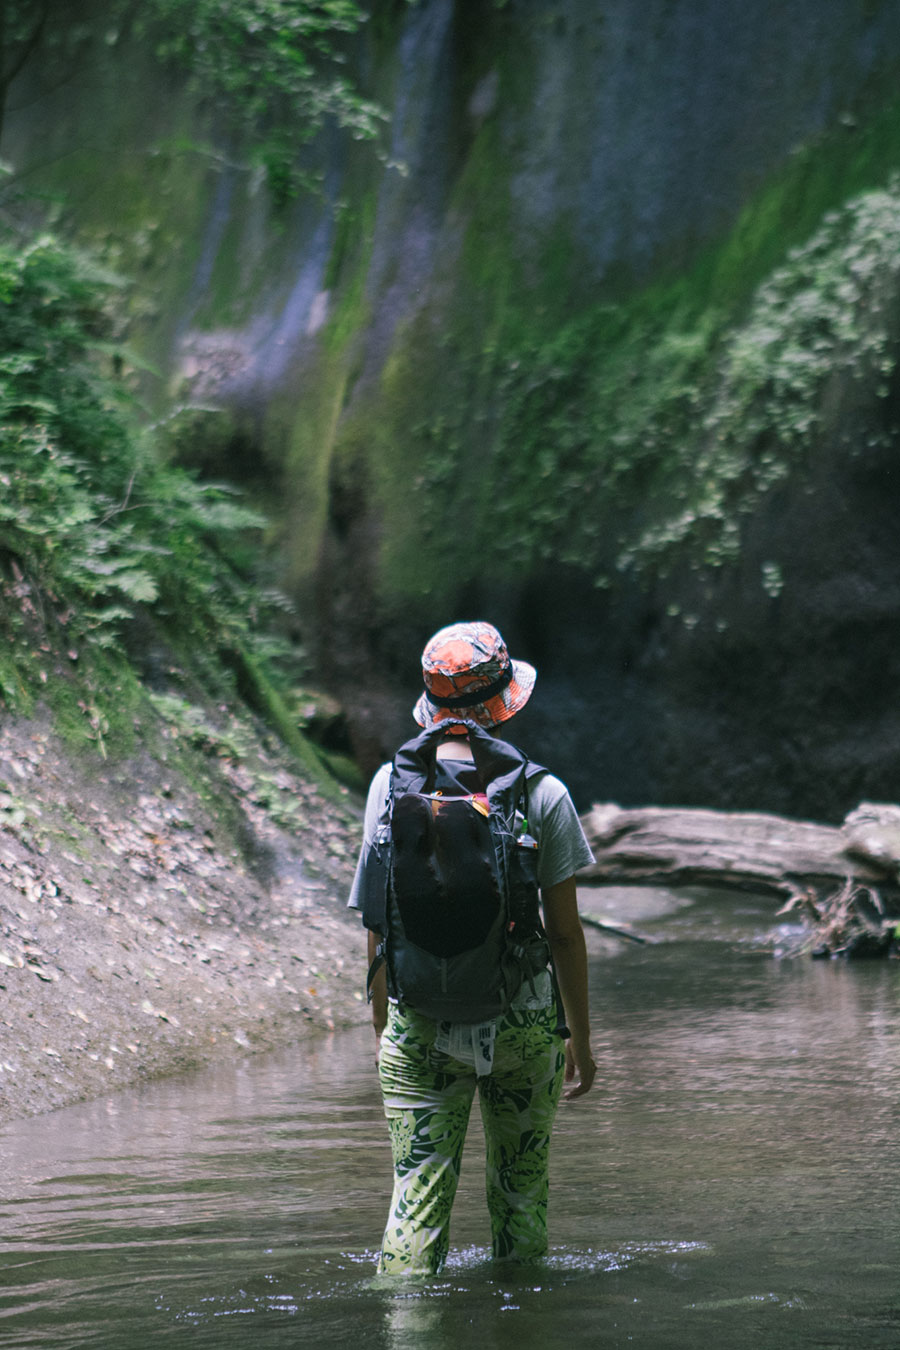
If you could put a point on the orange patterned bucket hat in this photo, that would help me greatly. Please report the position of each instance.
(468, 673)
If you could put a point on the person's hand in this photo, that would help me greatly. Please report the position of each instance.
(580, 1071)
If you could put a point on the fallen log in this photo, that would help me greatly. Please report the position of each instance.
(844, 880)
(749, 851)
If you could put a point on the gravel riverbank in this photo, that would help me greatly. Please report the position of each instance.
(164, 911)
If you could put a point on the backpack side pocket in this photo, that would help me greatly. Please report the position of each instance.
(374, 886)
(522, 864)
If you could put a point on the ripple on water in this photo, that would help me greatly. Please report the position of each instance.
(349, 1277)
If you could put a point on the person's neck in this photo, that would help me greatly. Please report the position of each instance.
(455, 747)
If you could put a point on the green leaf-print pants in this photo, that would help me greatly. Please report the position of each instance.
(427, 1099)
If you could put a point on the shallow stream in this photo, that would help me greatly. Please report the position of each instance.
(733, 1180)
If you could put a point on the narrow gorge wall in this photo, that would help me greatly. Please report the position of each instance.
(467, 381)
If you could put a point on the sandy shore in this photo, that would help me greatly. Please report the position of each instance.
(161, 912)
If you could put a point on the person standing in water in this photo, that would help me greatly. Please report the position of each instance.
(518, 1061)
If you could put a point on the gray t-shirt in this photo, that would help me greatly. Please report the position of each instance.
(552, 820)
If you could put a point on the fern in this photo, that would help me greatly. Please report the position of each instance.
(93, 525)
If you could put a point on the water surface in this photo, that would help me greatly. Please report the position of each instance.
(732, 1181)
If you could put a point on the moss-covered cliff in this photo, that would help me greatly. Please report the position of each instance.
(603, 348)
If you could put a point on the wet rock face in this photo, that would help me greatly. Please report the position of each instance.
(626, 136)
(743, 700)
(638, 132)
(647, 124)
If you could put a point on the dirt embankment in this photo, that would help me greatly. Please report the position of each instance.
(160, 913)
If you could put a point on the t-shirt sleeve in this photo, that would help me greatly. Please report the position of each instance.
(376, 812)
(563, 848)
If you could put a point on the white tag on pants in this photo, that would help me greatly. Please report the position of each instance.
(470, 1044)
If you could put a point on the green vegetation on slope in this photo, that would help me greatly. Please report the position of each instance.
(275, 68)
(98, 531)
(643, 431)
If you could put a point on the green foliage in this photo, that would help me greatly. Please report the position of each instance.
(272, 73)
(93, 526)
(820, 336)
(274, 67)
(643, 434)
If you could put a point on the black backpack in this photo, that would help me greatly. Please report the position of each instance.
(451, 886)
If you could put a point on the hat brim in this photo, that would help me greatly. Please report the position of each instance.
(498, 709)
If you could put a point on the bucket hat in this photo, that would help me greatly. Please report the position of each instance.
(468, 673)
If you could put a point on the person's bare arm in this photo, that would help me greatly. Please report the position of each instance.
(566, 937)
(379, 995)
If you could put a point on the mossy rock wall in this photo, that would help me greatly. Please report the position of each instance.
(509, 369)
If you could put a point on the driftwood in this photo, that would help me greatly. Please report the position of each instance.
(845, 880)
(850, 922)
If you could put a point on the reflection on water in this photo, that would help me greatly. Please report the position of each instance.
(732, 1181)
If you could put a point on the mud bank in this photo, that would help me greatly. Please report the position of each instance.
(165, 911)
